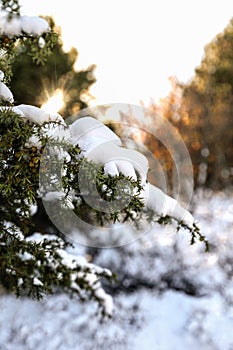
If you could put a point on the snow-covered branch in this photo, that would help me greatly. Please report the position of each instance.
(33, 263)
(15, 26)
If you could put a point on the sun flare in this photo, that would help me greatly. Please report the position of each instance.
(54, 103)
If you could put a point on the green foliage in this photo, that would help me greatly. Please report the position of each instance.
(33, 269)
(19, 189)
(12, 6)
(36, 267)
(115, 191)
(40, 53)
(19, 169)
(44, 70)
(7, 55)
(12, 47)
(195, 232)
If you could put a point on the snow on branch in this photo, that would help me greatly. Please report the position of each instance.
(84, 276)
(19, 169)
(5, 93)
(33, 114)
(48, 263)
(20, 25)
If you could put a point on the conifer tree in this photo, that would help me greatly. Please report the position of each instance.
(39, 161)
(202, 109)
(56, 74)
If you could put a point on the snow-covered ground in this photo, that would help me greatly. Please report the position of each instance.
(170, 296)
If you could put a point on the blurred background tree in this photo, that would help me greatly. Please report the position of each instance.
(34, 84)
(202, 111)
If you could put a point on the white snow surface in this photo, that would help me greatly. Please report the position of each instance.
(102, 145)
(19, 25)
(36, 115)
(37, 282)
(145, 318)
(162, 204)
(87, 128)
(5, 93)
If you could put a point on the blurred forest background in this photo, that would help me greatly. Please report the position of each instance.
(201, 109)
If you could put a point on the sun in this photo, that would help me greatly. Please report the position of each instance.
(54, 103)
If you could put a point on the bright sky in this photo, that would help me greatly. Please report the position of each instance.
(136, 44)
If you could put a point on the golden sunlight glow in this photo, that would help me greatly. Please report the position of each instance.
(54, 103)
(154, 52)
